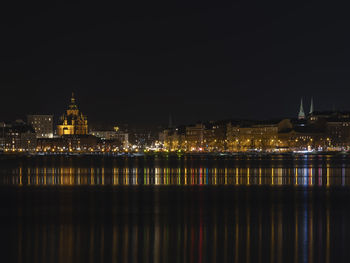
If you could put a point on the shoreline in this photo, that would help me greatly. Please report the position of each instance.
(169, 154)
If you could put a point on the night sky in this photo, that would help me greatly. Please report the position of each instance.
(137, 62)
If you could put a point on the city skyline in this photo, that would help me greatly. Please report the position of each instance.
(174, 131)
(309, 131)
(304, 105)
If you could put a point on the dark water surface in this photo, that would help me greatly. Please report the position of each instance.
(175, 209)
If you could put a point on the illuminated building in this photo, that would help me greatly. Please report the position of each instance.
(301, 114)
(215, 136)
(113, 135)
(42, 124)
(311, 107)
(335, 125)
(256, 135)
(80, 143)
(18, 136)
(314, 131)
(174, 139)
(195, 136)
(72, 122)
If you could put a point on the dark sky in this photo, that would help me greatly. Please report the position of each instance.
(137, 62)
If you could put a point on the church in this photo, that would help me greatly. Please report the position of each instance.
(72, 122)
(302, 115)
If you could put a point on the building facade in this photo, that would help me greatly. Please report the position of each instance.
(73, 122)
(84, 143)
(256, 135)
(116, 135)
(42, 124)
(18, 136)
(195, 137)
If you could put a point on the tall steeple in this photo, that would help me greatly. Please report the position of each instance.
(301, 114)
(73, 108)
(72, 100)
(312, 106)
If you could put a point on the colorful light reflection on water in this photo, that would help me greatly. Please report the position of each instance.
(298, 176)
(265, 216)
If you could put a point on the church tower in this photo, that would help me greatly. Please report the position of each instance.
(301, 115)
(312, 106)
(73, 122)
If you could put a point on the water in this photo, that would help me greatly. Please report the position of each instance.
(175, 209)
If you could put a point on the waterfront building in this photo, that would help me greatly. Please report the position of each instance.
(326, 130)
(256, 135)
(165, 138)
(18, 136)
(69, 143)
(174, 139)
(335, 125)
(339, 132)
(73, 122)
(195, 137)
(105, 135)
(232, 136)
(42, 124)
(214, 136)
(115, 135)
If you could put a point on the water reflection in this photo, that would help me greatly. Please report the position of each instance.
(95, 216)
(306, 176)
(136, 226)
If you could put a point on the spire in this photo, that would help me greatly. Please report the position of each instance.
(72, 105)
(312, 106)
(72, 100)
(301, 115)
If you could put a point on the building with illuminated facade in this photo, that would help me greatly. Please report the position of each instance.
(42, 124)
(73, 122)
(17, 136)
(114, 135)
(320, 131)
(252, 135)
